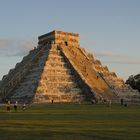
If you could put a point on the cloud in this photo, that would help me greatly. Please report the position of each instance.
(115, 58)
(122, 62)
(109, 54)
(5, 43)
(20, 53)
(11, 47)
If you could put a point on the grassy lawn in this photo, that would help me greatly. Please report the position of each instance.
(71, 122)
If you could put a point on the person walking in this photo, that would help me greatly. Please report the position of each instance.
(15, 106)
(24, 107)
(8, 106)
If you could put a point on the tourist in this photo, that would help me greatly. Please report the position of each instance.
(8, 106)
(15, 106)
(24, 107)
(109, 103)
(122, 102)
(93, 101)
(125, 104)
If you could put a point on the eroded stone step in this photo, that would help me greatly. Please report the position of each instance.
(35, 70)
(56, 52)
(26, 84)
(55, 79)
(64, 90)
(25, 88)
(57, 76)
(55, 72)
(60, 82)
(55, 57)
(56, 65)
(52, 60)
(32, 77)
(59, 98)
(58, 85)
(22, 96)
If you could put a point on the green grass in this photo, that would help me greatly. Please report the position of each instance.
(71, 122)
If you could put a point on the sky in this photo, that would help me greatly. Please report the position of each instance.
(109, 29)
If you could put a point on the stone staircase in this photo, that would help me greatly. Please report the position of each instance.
(117, 84)
(124, 91)
(58, 81)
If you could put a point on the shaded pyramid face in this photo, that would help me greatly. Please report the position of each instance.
(59, 70)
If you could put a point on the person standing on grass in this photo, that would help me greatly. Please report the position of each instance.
(24, 107)
(15, 106)
(122, 102)
(109, 103)
(8, 106)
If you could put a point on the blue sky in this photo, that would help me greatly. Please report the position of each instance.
(110, 29)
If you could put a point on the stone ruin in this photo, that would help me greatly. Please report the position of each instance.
(60, 70)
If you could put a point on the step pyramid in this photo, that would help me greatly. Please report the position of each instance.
(59, 70)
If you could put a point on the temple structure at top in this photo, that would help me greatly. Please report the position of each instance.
(59, 37)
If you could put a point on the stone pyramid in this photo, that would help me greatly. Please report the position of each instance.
(59, 70)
